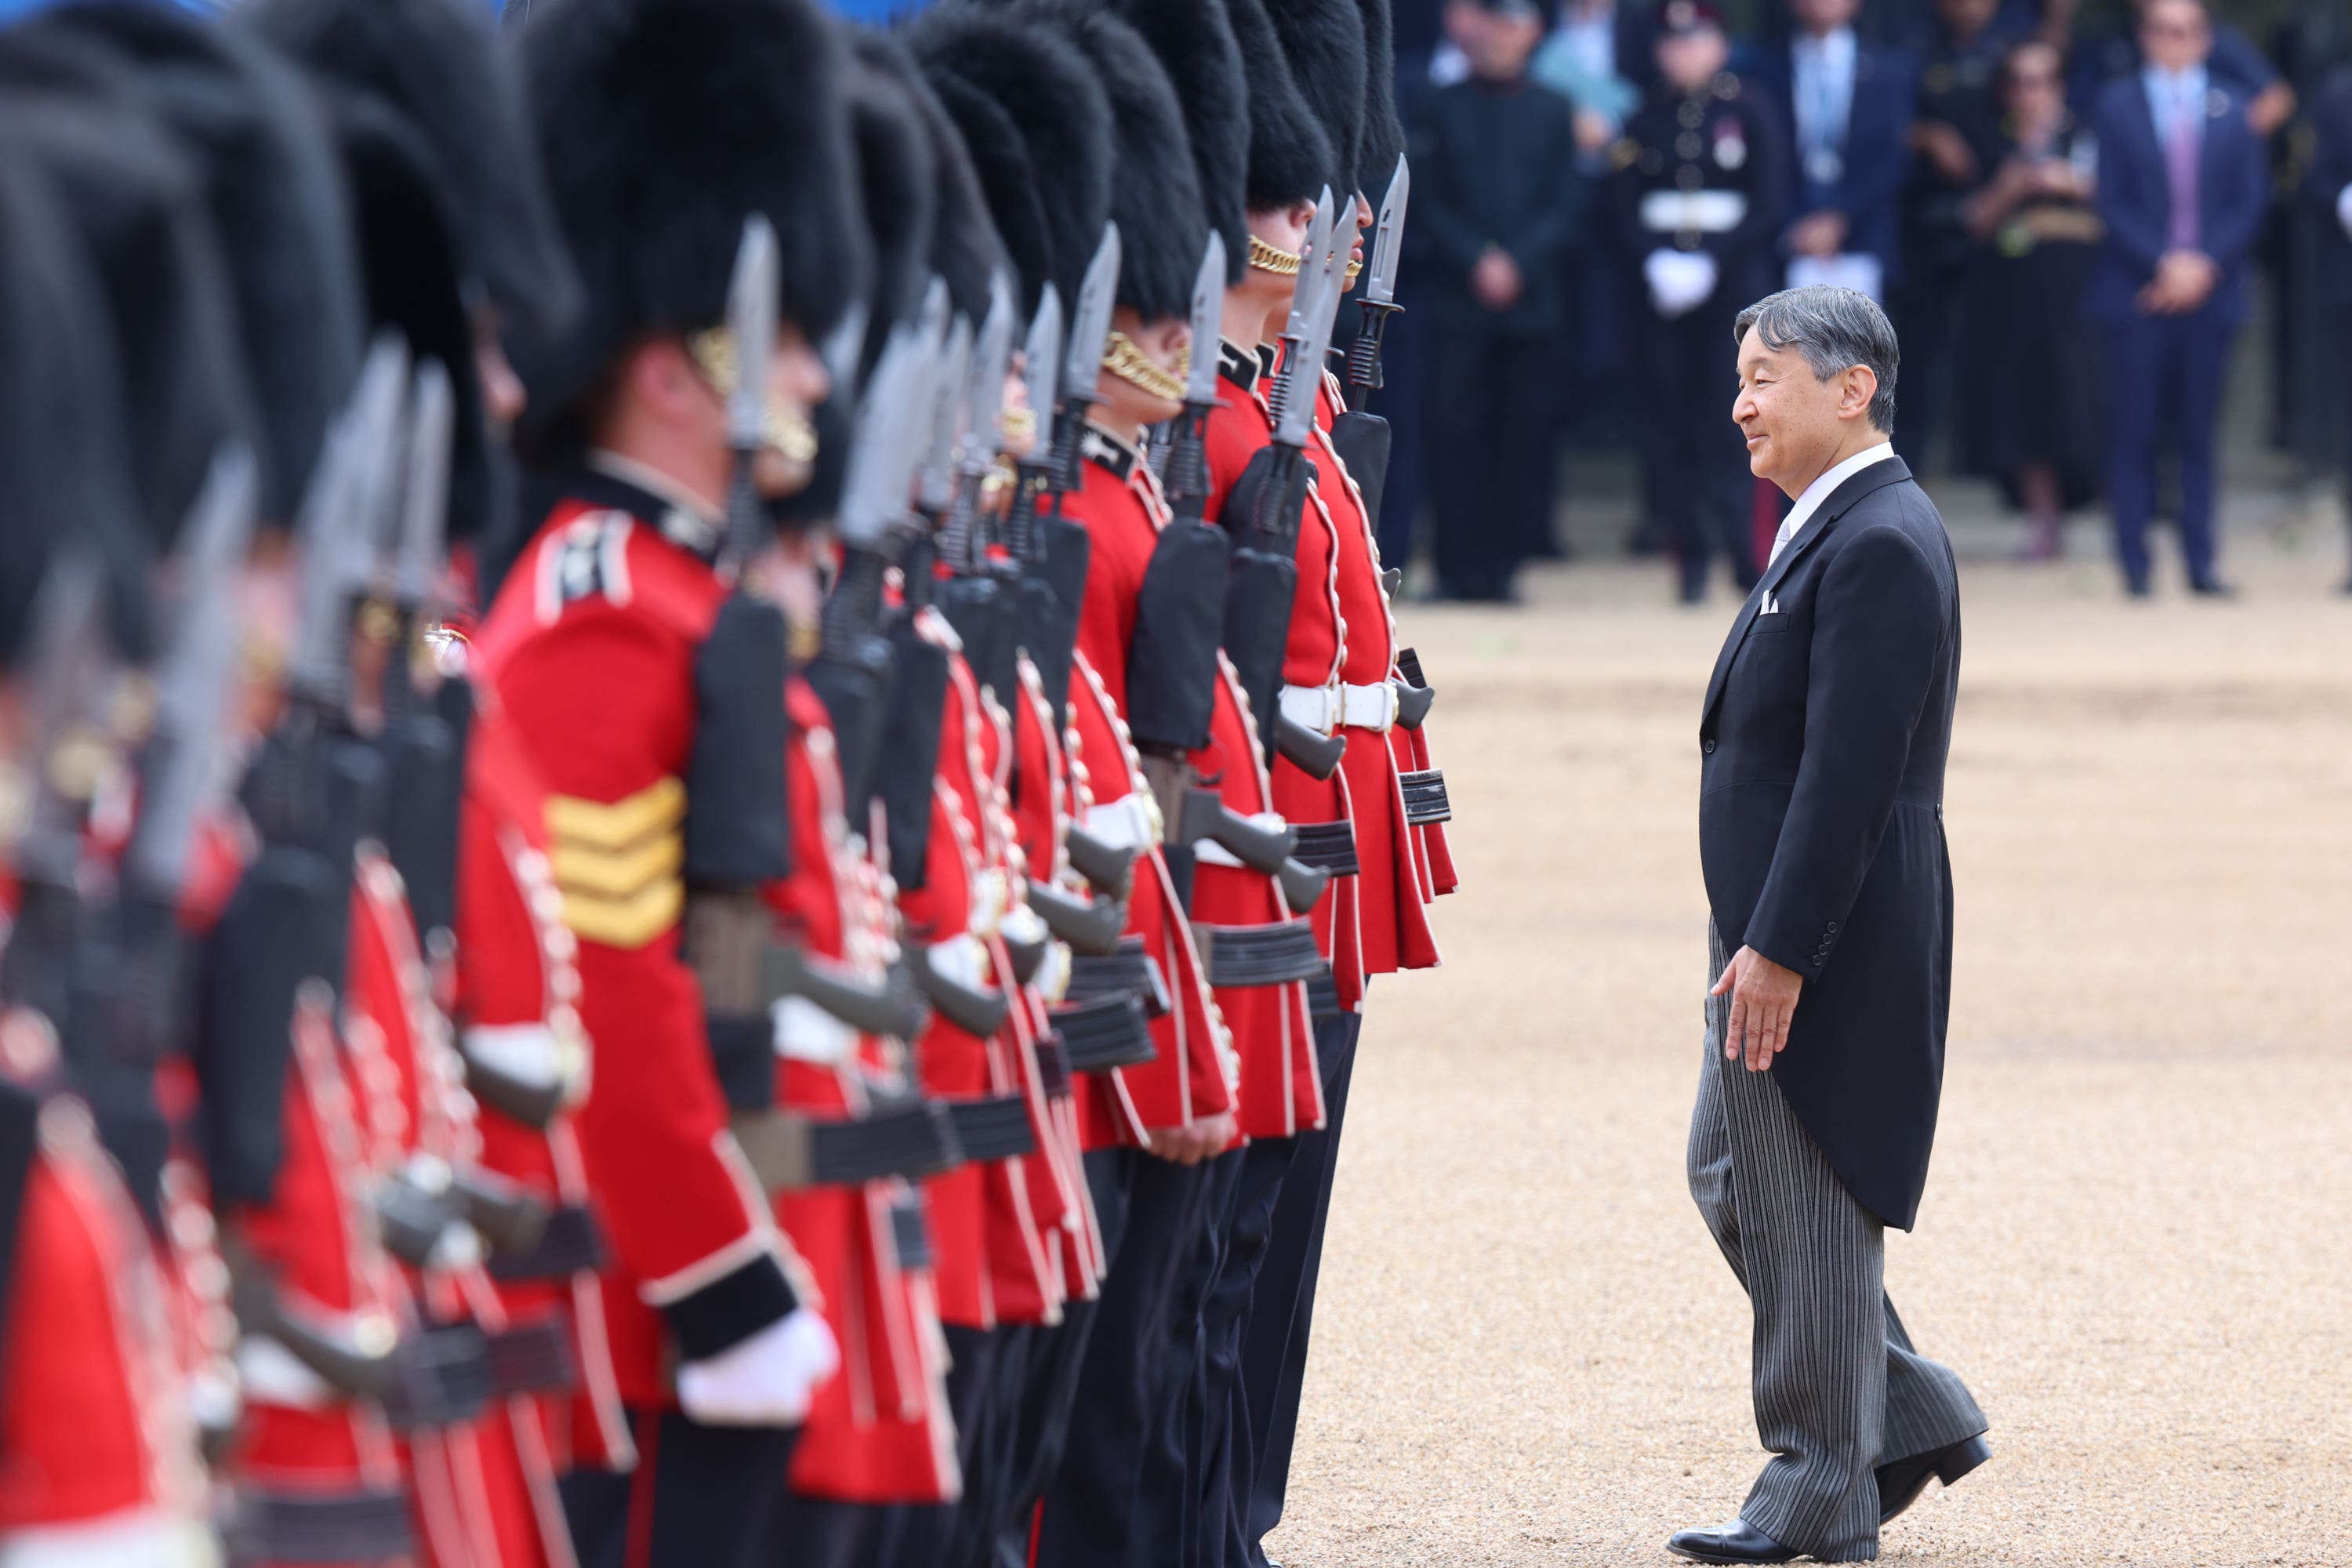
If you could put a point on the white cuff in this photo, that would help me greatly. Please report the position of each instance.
(1122, 824)
(1209, 852)
(805, 1032)
(766, 1380)
(528, 1053)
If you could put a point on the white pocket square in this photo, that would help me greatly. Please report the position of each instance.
(1772, 605)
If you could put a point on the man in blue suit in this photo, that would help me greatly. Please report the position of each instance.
(1847, 105)
(2184, 183)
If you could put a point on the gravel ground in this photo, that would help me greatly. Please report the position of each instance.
(2134, 1241)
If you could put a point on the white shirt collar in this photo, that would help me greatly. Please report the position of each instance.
(1834, 50)
(1821, 489)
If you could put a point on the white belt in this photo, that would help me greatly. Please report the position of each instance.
(531, 1054)
(1023, 927)
(1323, 708)
(1697, 212)
(1209, 852)
(148, 1536)
(1123, 824)
(805, 1032)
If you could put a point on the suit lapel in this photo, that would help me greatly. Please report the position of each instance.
(1877, 477)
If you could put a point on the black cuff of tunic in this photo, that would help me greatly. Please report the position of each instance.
(731, 1310)
(743, 1052)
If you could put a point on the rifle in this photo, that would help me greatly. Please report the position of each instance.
(1361, 437)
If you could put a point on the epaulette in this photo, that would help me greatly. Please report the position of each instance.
(617, 863)
(588, 559)
(1623, 152)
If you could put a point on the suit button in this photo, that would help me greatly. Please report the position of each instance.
(1707, 745)
(1832, 928)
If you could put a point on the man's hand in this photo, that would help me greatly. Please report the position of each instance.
(2184, 280)
(1496, 279)
(1946, 150)
(1818, 233)
(1594, 131)
(1202, 1138)
(1763, 1001)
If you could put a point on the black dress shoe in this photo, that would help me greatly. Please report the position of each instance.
(2136, 588)
(1901, 1481)
(1738, 1542)
(2212, 588)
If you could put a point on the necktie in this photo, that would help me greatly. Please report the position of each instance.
(2181, 146)
(1780, 541)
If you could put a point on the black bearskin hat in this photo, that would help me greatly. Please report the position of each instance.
(1038, 126)
(664, 123)
(895, 181)
(440, 65)
(411, 260)
(62, 451)
(1382, 138)
(1195, 42)
(1324, 42)
(137, 205)
(278, 205)
(965, 249)
(1289, 154)
(1155, 196)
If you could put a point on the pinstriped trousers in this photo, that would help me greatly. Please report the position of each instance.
(1838, 1387)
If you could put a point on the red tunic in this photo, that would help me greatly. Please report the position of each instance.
(1388, 897)
(591, 648)
(1119, 505)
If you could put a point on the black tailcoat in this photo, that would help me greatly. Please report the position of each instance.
(1821, 819)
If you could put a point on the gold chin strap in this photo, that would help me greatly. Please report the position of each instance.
(1355, 270)
(788, 433)
(1132, 365)
(1266, 259)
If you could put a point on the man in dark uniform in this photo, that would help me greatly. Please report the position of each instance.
(1697, 200)
(2328, 194)
(1957, 117)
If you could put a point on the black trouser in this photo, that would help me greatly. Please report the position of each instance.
(1282, 1311)
(1694, 462)
(1092, 1514)
(1173, 1531)
(1929, 317)
(1055, 1361)
(705, 1495)
(818, 1532)
(1229, 1455)
(1487, 418)
(923, 1537)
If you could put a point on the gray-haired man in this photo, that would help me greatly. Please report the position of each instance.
(1822, 836)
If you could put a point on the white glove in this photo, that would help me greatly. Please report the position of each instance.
(765, 1380)
(2344, 208)
(1680, 280)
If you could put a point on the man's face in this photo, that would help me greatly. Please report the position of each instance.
(1691, 60)
(1789, 415)
(797, 382)
(1825, 15)
(2174, 34)
(1163, 343)
(1966, 18)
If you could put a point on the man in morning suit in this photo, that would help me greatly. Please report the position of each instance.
(2184, 186)
(1822, 836)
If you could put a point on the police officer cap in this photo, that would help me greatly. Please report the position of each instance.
(1678, 17)
(664, 125)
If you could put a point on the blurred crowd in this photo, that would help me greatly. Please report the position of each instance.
(2064, 211)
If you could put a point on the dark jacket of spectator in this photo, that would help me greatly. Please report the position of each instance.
(1495, 163)
(2136, 198)
(1864, 176)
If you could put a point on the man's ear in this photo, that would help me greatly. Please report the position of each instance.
(1861, 386)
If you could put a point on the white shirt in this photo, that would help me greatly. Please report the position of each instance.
(1824, 86)
(2176, 101)
(1820, 490)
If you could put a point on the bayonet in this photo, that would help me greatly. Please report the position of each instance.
(338, 526)
(1082, 354)
(1380, 287)
(1187, 472)
(843, 350)
(180, 765)
(935, 488)
(960, 544)
(1306, 296)
(751, 295)
(1040, 359)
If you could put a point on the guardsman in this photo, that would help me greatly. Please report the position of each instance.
(98, 1453)
(667, 129)
(1697, 193)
